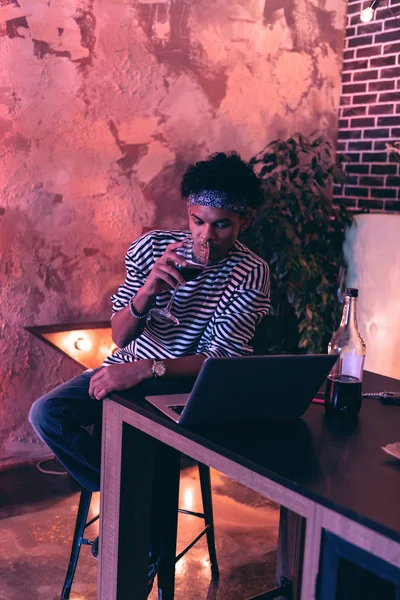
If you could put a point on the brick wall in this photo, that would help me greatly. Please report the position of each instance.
(370, 108)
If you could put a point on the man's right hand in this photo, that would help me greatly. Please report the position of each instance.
(164, 274)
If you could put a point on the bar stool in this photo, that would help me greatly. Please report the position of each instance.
(207, 515)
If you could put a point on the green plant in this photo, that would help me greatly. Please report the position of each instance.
(300, 233)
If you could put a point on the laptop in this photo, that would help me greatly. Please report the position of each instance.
(243, 389)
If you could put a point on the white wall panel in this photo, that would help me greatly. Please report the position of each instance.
(372, 249)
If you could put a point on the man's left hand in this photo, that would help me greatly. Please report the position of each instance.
(117, 378)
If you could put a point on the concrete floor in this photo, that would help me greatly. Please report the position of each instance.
(37, 517)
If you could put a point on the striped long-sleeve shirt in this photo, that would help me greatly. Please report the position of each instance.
(218, 311)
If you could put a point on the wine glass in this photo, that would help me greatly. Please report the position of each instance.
(196, 253)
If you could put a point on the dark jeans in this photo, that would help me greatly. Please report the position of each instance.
(60, 419)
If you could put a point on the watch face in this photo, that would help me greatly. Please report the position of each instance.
(159, 369)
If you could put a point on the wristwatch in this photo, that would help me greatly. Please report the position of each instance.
(158, 369)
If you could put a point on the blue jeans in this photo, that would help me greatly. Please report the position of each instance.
(60, 419)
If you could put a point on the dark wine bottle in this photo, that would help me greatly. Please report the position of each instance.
(343, 393)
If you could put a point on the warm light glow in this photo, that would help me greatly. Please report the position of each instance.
(367, 15)
(73, 340)
(107, 349)
(89, 347)
(93, 512)
(181, 566)
(188, 499)
(83, 344)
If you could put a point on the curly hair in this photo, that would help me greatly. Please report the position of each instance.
(223, 173)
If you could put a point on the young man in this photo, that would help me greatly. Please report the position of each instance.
(218, 311)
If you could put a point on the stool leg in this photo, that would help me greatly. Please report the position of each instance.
(81, 518)
(206, 494)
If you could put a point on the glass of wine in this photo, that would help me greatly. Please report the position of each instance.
(196, 253)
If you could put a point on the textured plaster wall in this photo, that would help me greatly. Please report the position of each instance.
(102, 106)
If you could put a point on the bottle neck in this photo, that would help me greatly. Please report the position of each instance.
(349, 315)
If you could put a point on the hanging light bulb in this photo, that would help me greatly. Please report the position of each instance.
(368, 13)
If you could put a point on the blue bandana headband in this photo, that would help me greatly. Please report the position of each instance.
(218, 200)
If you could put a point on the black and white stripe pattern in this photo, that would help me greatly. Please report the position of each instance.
(218, 311)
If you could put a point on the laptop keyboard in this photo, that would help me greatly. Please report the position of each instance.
(178, 408)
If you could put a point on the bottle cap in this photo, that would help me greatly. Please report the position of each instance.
(352, 292)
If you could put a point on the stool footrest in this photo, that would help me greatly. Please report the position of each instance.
(191, 513)
(92, 521)
(86, 542)
(196, 539)
(285, 590)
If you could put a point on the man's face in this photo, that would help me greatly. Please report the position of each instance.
(218, 226)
